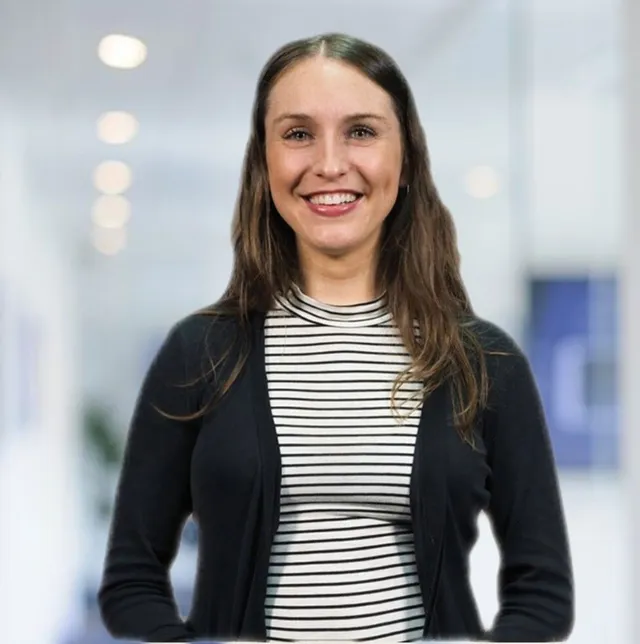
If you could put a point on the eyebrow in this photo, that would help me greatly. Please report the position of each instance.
(306, 117)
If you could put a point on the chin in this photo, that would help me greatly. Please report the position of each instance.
(335, 248)
(335, 253)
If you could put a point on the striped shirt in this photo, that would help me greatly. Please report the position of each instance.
(343, 563)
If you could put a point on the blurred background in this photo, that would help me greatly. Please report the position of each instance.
(122, 130)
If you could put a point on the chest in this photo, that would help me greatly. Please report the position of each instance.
(273, 420)
(341, 442)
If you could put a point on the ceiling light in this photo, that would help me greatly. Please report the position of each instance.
(109, 241)
(122, 52)
(111, 211)
(112, 177)
(482, 182)
(117, 128)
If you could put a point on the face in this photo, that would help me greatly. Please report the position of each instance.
(334, 156)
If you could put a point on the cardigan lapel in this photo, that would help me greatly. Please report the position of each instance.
(267, 435)
(268, 480)
(428, 494)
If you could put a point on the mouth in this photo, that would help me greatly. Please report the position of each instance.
(333, 204)
(333, 198)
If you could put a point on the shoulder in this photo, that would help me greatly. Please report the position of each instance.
(511, 384)
(491, 337)
(204, 338)
(502, 355)
(203, 328)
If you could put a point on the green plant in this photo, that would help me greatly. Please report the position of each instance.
(103, 445)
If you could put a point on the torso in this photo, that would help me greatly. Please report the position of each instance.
(343, 562)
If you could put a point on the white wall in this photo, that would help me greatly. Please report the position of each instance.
(39, 540)
(577, 214)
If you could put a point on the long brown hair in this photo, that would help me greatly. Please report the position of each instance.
(419, 264)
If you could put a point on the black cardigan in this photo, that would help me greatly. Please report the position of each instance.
(224, 469)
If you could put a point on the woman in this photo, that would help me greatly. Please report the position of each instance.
(337, 421)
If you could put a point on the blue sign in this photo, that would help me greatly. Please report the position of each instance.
(572, 346)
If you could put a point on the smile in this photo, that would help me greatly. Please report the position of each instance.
(333, 198)
(334, 204)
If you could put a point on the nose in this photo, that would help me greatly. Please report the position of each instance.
(331, 160)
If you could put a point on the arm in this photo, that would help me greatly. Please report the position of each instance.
(152, 504)
(536, 579)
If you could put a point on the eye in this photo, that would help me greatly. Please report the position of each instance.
(362, 132)
(297, 134)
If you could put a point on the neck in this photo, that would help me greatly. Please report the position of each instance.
(339, 281)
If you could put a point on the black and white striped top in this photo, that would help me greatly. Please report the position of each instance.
(343, 563)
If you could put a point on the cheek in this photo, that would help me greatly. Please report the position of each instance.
(383, 171)
(281, 179)
(282, 170)
(274, 171)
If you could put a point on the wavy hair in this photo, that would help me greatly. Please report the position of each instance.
(418, 264)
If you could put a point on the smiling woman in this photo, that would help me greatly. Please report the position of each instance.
(324, 164)
(338, 420)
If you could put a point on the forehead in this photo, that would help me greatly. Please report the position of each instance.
(327, 87)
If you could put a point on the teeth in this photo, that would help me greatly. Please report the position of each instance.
(333, 199)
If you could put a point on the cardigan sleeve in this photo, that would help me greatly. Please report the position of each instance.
(536, 579)
(152, 504)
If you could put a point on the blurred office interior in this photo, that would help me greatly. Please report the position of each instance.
(119, 165)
